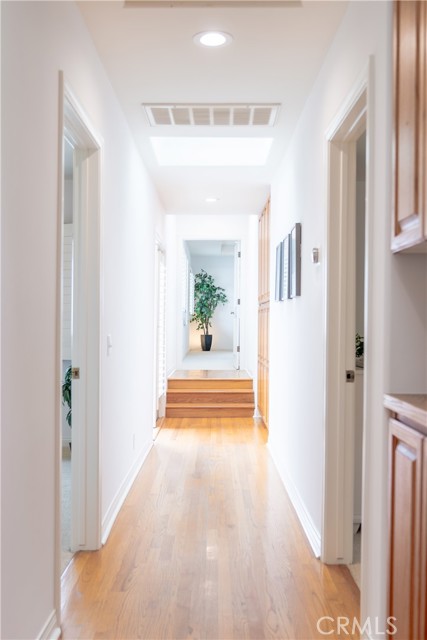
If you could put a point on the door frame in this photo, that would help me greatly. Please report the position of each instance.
(351, 121)
(86, 483)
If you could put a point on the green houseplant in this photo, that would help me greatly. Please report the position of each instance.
(207, 296)
(66, 393)
(359, 350)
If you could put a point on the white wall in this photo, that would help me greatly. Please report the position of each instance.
(407, 341)
(205, 227)
(39, 39)
(222, 270)
(397, 302)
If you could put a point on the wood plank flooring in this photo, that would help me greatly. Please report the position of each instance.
(207, 547)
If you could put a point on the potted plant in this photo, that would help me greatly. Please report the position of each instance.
(66, 393)
(207, 296)
(359, 350)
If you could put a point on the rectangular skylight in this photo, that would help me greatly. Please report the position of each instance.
(211, 152)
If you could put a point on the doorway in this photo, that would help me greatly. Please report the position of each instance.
(221, 259)
(263, 313)
(160, 333)
(359, 405)
(67, 338)
(79, 342)
(346, 313)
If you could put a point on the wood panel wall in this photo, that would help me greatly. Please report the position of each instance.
(263, 311)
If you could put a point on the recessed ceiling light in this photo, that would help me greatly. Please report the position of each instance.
(212, 38)
(211, 199)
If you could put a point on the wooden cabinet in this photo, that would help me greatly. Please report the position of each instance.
(408, 515)
(406, 462)
(409, 143)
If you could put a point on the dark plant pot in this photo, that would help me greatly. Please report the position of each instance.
(206, 342)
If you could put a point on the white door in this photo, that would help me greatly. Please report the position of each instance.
(237, 306)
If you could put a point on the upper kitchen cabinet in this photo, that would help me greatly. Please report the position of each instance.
(409, 148)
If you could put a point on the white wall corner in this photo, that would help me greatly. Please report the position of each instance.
(120, 497)
(311, 531)
(51, 629)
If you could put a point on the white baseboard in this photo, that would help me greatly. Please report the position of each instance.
(120, 497)
(51, 630)
(313, 534)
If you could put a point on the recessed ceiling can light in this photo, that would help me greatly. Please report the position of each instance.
(212, 38)
(210, 199)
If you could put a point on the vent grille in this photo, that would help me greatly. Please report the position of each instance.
(203, 115)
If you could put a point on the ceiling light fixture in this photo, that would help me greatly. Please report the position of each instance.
(211, 199)
(212, 38)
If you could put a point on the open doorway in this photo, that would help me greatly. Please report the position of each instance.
(160, 332)
(346, 316)
(67, 341)
(221, 260)
(79, 329)
(360, 241)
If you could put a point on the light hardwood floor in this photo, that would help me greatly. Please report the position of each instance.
(207, 547)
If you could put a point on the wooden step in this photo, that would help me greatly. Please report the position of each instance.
(209, 396)
(225, 410)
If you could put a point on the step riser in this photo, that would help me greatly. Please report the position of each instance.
(196, 412)
(209, 384)
(206, 397)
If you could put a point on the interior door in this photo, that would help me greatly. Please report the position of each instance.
(236, 311)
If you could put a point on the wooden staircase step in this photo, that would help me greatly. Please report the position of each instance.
(224, 410)
(209, 396)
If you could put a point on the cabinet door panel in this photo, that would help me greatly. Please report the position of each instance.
(408, 125)
(406, 461)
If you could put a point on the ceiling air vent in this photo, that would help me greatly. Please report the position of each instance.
(205, 115)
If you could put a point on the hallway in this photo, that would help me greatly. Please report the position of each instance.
(207, 546)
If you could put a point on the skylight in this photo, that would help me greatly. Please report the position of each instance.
(211, 152)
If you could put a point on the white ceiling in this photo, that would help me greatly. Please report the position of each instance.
(150, 57)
